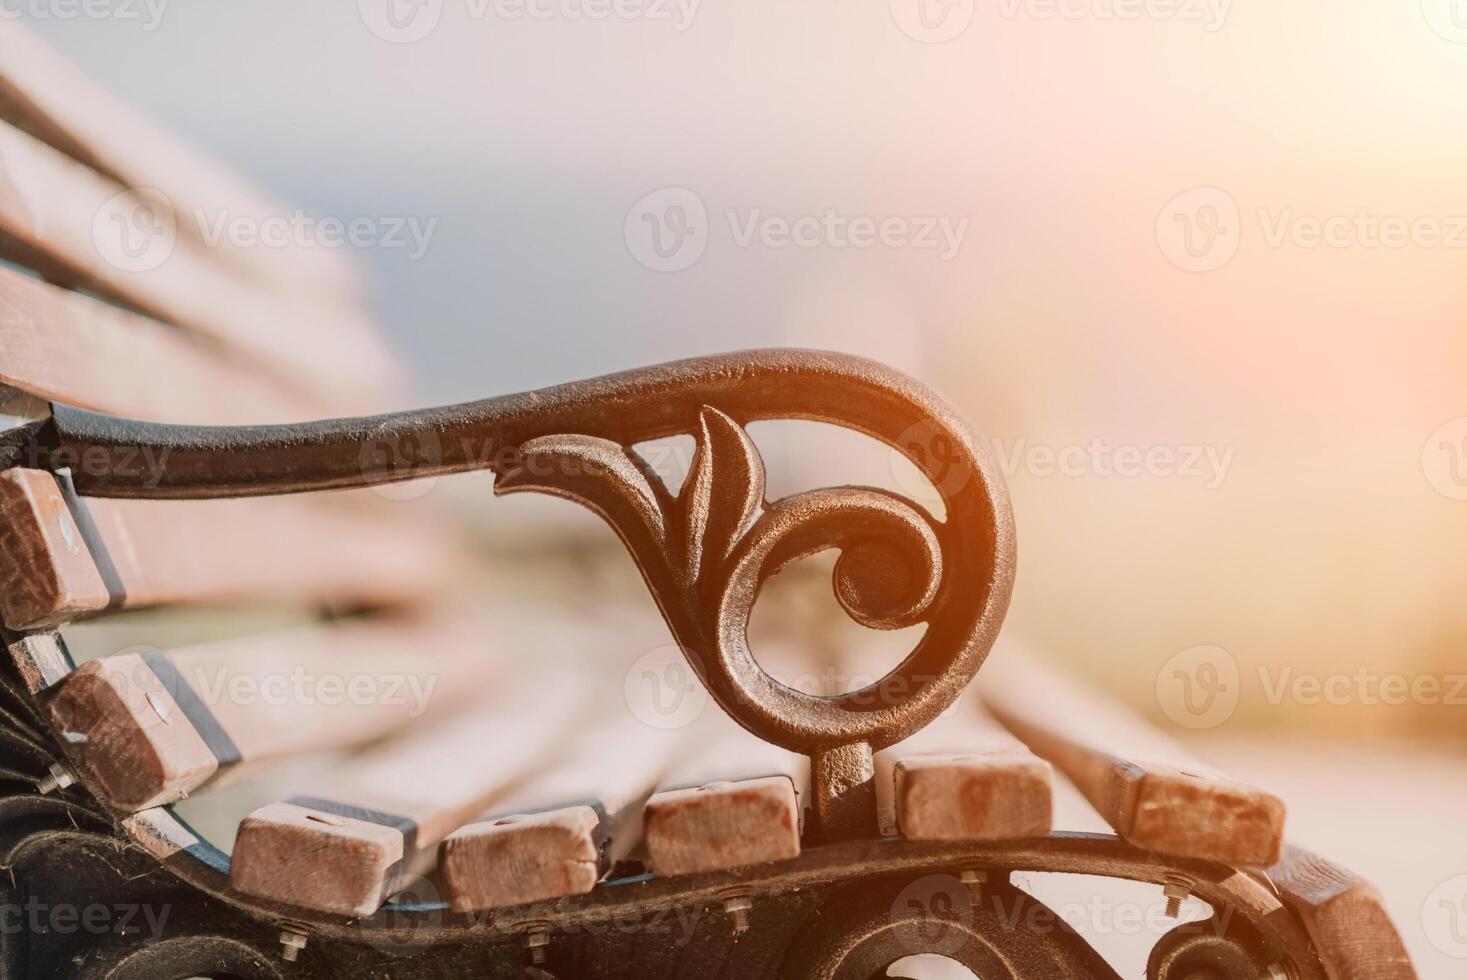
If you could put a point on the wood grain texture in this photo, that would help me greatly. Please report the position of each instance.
(1345, 917)
(964, 777)
(1150, 790)
(221, 711)
(65, 346)
(69, 223)
(49, 98)
(563, 830)
(731, 801)
(414, 791)
(297, 548)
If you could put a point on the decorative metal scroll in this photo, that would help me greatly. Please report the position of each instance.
(704, 553)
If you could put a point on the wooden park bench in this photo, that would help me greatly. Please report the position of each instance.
(161, 451)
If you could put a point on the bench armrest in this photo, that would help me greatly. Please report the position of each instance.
(704, 553)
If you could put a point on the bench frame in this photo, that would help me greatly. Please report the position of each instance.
(704, 554)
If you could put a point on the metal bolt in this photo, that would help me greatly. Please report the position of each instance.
(973, 879)
(738, 906)
(292, 942)
(1277, 971)
(537, 938)
(1177, 890)
(57, 777)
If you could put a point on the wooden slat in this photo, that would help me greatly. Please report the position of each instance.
(732, 801)
(67, 347)
(964, 778)
(562, 831)
(300, 548)
(59, 218)
(343, 849)
(1345, 917)
(1152, 792)
(152, 727)
(49, 98)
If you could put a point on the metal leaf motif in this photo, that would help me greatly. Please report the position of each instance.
(723, 493)
(602, 476)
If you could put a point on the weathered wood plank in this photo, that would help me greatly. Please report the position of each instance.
(1149, 789)
(68, 347)
(558, 834)
(964, 777)
(81, 230)
(62, 558)
(153, 726)
(49, 98)
(731, 800)
(345, 848)
(1345, 917)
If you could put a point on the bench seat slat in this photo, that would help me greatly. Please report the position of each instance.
(67, 347)
(54, 218)
(346, 848)
(164, 551)
(561, 832)
(731, 801)
(1345, 917)
(154, 726)
(964, 777)
(1150, 790)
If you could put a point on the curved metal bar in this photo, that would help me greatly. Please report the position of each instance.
(706, 553)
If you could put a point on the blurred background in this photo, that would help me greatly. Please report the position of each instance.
(1195, 269)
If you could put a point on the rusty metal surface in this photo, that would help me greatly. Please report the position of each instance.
(705, 553)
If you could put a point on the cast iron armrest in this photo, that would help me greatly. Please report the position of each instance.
(705, 553)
